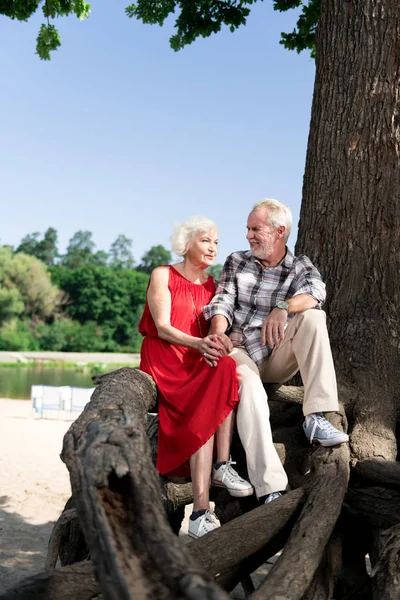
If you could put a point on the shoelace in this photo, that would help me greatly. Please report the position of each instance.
(321, 422)
(228, 471)
(210, 519)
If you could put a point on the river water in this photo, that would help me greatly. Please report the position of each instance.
(16, 382)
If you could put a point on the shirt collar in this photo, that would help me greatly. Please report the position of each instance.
(288, 259)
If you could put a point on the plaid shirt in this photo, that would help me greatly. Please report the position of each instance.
(247, 292)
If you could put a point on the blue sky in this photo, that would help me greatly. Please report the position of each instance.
(120, 134)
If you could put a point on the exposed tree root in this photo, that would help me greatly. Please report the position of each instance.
(323, 583)
(377, 506)
(386, 570)
(74, 582)
(55, 539)
(229, 555)
(292, 574)
(117, 494)
(378, 471)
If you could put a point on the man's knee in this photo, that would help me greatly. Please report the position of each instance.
(249, 380)
(312, 318)
(248, 370)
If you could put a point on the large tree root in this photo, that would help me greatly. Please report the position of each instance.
(55, 539)
(117, 495)
(75, 582)
(230, 556)
(386, 572)
(323, 582)
(378, 471)
(379, 507)
(290, 577)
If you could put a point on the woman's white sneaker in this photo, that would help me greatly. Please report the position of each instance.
(203, 524)
(225, 476)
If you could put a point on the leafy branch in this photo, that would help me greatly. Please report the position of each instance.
(48, 38)
(192, 19)
(206, 17)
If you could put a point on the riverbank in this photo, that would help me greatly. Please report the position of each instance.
(78, 358)
(21, 372)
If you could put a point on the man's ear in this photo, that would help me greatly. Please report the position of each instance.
(281, 230)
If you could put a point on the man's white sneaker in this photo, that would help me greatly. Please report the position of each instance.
(271, 497)
(318, 429)
(226, 476)
(203, 524)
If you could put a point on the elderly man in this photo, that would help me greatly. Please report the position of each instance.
(269, 302)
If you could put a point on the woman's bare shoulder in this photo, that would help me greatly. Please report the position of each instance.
(160, 275)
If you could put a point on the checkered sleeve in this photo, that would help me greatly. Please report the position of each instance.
(308, 280)
(223, 302)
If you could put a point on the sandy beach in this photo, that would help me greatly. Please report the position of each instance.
(34, 488)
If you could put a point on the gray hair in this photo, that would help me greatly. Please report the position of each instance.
(279, 214)
(185, 232)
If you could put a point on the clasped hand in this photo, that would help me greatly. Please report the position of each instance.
(273, 328)
(214, 346)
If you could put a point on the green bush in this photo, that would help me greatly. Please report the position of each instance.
(17, 336)
(66, 335)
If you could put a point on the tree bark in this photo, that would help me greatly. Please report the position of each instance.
(379, 472)
(55, 539)
(323, 583)
(351, 209)
(74, 582)
(385, 573)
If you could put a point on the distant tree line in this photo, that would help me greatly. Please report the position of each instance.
(85, 300)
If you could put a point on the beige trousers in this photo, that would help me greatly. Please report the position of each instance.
(305, 347)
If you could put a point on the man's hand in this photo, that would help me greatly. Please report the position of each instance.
(225, 342)
(273, 328)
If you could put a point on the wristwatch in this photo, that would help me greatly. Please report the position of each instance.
(283, 304)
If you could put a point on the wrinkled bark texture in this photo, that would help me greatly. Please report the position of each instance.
(350, 214)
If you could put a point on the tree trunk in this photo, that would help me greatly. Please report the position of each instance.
(351, 210)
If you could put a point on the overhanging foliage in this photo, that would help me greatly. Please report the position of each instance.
(193, 19)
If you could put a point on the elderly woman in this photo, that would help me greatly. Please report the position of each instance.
(197, 383)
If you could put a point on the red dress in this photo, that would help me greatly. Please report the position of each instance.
(194, 398)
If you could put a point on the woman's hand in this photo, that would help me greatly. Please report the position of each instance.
(211, 348)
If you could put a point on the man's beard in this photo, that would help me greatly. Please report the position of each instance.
(262, 251)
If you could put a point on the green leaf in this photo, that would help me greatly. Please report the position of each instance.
(47, 41)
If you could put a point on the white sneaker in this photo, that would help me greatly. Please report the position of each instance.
(225, 476)
(203, 524)
(271, 497)
(318, 429)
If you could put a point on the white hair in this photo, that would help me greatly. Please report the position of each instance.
(185, 232)
(279, 214)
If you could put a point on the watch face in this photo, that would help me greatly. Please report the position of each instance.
(283, 304)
